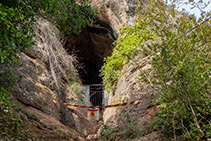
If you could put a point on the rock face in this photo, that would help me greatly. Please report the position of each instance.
(94, 43)
(130, 88)
(46, 71)
(115, 12)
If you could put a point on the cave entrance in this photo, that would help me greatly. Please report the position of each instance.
(95, 95)
(90, 47)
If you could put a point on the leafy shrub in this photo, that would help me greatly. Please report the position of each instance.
(15, 34)
(128, 130)
(67, 15)
(125, 50)
(12, 126)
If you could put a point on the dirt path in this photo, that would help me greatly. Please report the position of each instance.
(96, 136)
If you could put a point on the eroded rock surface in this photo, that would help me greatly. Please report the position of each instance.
(131, 88)
(115, 12)
(46, 71)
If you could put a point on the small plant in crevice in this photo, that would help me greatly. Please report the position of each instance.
(76, 88)
(108, 133)
(28, 114)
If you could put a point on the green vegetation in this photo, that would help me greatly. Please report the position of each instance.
(128, 130)
(15, 37)
(12, 126)
(125, 50)
(75, 87)
(67, 15)
(181, 67)
(29, 115)
(16, 32)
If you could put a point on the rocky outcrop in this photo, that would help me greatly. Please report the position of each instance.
(115, 13)
(129, 88)
(46, 72)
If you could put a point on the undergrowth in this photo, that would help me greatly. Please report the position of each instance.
(127, 131)
(12, 126)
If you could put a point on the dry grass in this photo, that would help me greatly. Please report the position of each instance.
(60, 63)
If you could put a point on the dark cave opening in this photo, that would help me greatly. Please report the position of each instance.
(90, 47)
(89, 73)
